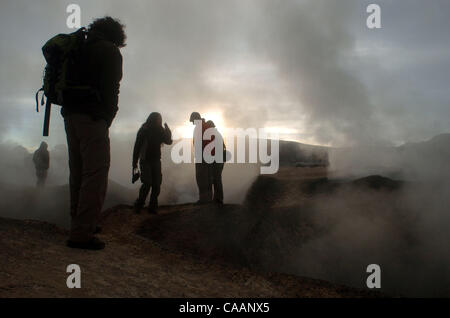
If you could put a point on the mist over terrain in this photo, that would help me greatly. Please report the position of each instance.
(298, 221)
(331, 224)
(19, 197)
(310, 69)
(363, 115)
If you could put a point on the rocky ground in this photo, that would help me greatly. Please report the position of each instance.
(140, 261)
(304, 221)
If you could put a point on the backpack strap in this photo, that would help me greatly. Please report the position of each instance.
(48, 107)
(37, 97)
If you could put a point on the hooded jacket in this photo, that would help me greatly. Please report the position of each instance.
(148, 143)
(41, 158)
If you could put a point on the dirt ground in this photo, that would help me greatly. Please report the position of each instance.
(34, 260)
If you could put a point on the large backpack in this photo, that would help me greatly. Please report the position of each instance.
(63, 75)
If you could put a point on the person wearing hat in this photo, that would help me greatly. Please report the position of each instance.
(202, 169)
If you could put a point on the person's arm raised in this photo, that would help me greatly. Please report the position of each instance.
(167, 135)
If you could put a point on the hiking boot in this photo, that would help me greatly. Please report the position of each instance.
(152, 210)
(201, 202)
(93, 244)
(137, 208)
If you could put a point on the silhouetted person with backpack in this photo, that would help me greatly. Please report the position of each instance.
(87, 125)
(41, 160)
(147, 151)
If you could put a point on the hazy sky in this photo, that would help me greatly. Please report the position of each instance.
(310, 69)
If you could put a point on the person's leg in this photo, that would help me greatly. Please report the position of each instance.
(44, 177)
(146, 179)
(208, 182)
(217, 182)
(75, 165)
(198, 178)
(143, 193)
(203, 181)
(40, 181)
(156, 185)
(95, 154)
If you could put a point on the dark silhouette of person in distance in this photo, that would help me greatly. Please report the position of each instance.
(41, 160)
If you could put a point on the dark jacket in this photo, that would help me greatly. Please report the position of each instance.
(148, 143)
(41, 159)
(102, 70)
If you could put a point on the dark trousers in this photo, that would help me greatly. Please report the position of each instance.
(151, 178)
(216, 176)
(89, 160)
(41, 175)
(203, 178)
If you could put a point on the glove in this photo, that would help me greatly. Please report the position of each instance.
(135, 175)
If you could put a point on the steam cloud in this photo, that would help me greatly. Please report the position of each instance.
(310, 66)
